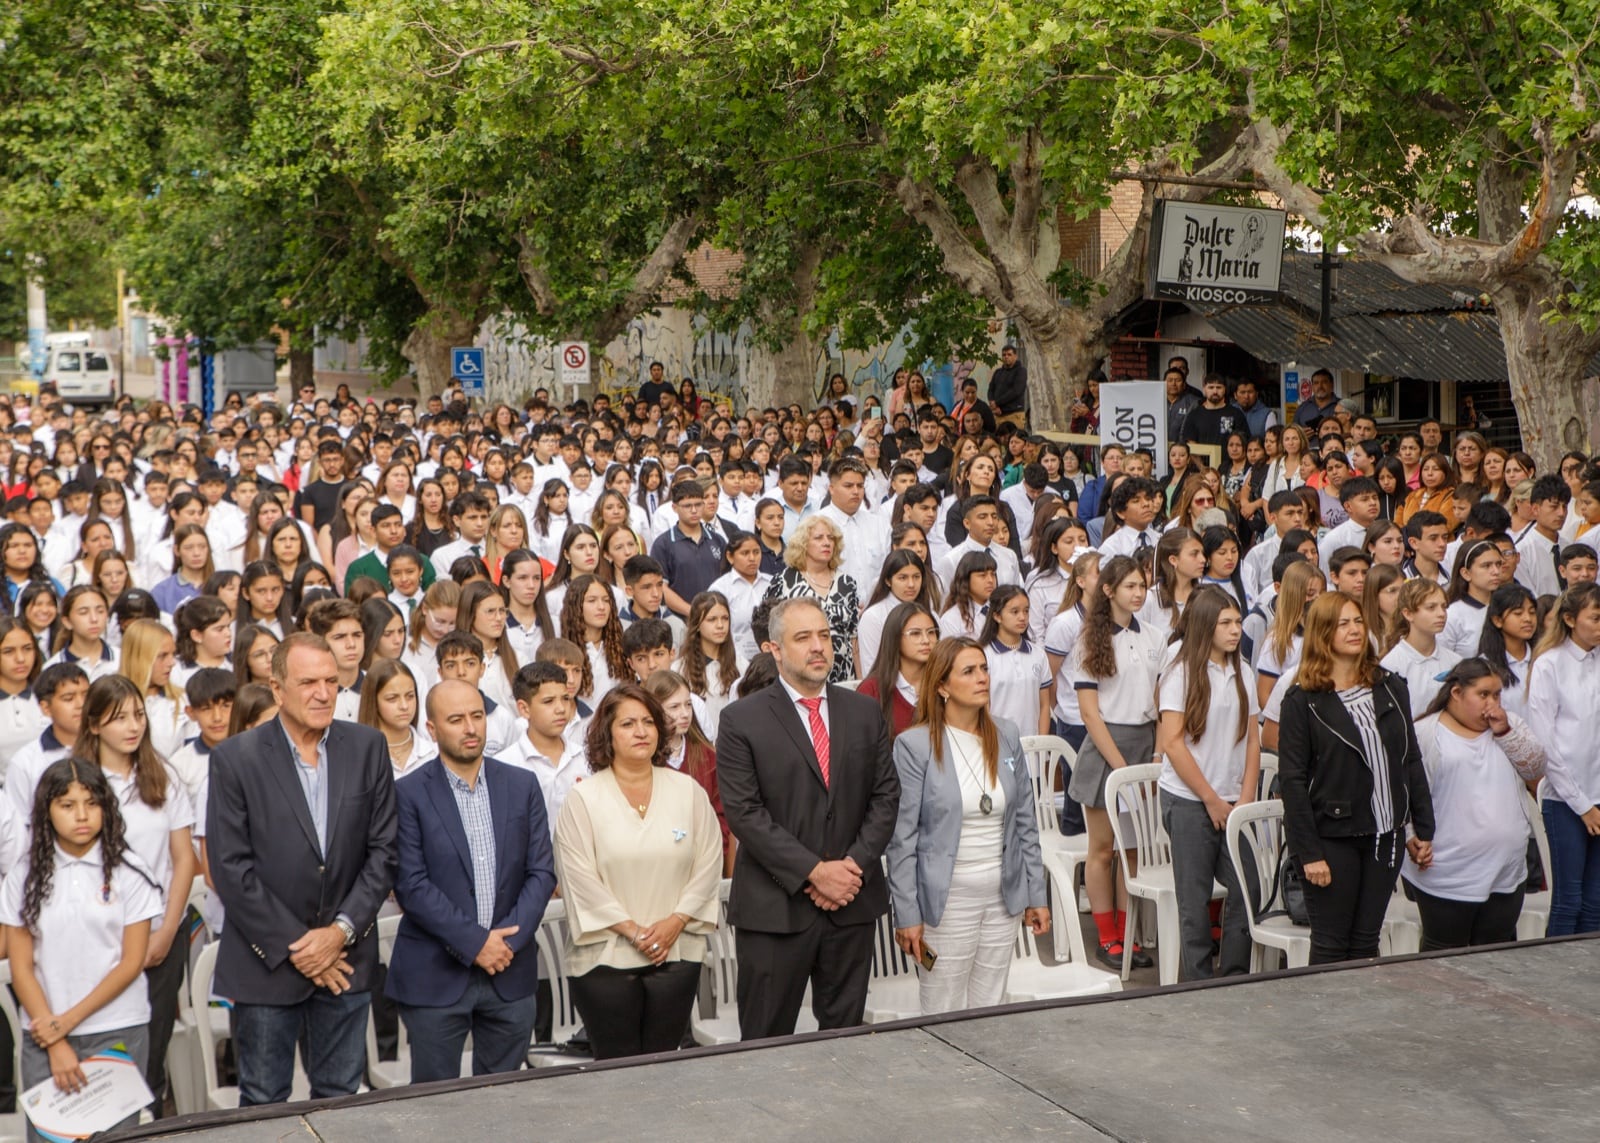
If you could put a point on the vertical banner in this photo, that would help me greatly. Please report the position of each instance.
(1133, 414)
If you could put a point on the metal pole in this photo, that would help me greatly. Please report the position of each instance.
(1325, 323)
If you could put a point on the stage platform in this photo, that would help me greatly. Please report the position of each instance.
(1480, 1046)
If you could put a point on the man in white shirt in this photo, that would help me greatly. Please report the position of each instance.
(1358, 496)
(794, 489)
(1136, 500)
(1285, 512)
(864, 540)
(542, 699)
(1540, 544)
(981, 515)
(470, 513)
(547, 465)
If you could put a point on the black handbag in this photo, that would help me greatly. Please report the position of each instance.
(1286, 896)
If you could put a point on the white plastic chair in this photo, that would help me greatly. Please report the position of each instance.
(1535, 918)
(1260, 825)
(1032, 979)
(552, 941)
(1132, 804)
(217, 1097)
(723, 1028)
(1402, 926)
(183, 1050)
(13, 1126)
(1045, 753)
(1269, 774)
(893, 991)
(382, 1074)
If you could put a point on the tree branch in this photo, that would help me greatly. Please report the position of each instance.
(652, 274)
(962, 260)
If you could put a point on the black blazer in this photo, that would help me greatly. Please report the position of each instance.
(274, 882)
(786, 820)
(1324, 777)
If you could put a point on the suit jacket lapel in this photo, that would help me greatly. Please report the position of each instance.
(281, 762)
(340, 774)
(450, 814)
(789, 718)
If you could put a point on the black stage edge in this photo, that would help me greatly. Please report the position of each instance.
(1483, 1045)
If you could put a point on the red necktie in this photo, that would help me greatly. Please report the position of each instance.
(819, 734)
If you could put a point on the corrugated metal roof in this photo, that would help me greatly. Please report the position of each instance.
(1381, 324)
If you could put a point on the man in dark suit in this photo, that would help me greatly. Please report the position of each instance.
(810, 790)
(476, 872)
(300, 832)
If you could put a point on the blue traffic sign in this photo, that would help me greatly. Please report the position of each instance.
(466, 366)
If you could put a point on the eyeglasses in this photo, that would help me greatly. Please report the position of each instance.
(1203, 502)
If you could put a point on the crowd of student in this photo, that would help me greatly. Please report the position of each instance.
(313, 653)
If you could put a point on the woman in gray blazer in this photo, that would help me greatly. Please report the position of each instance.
(964, 862)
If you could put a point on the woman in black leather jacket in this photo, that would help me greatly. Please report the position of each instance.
(1351, 775)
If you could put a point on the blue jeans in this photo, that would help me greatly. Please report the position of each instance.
(502, 1031)
(265, 1037)
(1574, 872)
(1071, 817)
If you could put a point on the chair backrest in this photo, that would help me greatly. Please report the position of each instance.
(1533, 809)
(1269, 775)
(1045, 753)
(724, 956)
(388, 929)
(1258, 826)
(1134, 806)
(205, 968)
(552, 940)
(1026, 949)
(888, 960)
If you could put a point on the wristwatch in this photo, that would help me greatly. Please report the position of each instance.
(347, 929)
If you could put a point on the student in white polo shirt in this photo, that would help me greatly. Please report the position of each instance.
(1211, 745)
(59, 691)
(981, 515)
(1019, 670)
(21, 720)
(77, 955)
(559, 764)
(1419, 657)
(1478, 570)
(1132, 509)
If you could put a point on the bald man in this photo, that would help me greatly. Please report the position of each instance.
(476, 872)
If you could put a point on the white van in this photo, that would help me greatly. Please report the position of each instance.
(80, 371)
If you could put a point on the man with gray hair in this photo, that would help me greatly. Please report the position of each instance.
(810, 790)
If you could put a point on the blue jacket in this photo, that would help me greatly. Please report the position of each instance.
(439, 935)
(922, 853)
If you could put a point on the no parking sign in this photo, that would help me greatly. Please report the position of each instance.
(572, 363)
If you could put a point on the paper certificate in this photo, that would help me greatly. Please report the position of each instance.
(115, 1090)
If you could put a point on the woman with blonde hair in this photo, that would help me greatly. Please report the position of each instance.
(964, 863)
(812, 557)
(1280, 650)
(508, 532)
(149, 653)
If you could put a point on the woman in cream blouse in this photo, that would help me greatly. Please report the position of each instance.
(639, 858)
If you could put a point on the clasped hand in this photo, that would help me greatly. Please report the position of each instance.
(834, 884)
(319, 957)
(495, 956)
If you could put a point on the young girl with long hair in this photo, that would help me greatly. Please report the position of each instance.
(192, 565)
(904, 578)
(109, 501)
(1180, 561)
(508, 531)
(81, 639)
(430, 527)
(1114, 671)
(975, 578)
(1415, 652)
(908, 636)
(205, 637)
(1564, 711)
(1434, 493)
(21, 563)
(1210, 742)
(744, 586)
(431, 622)
(79, 900)
(709, 660)
(21, 720)
(383, 631)
(1054, 548)
(528, 608)
(1280, 651)
(1477, 758)
(149, 654)
(580, 555)
(1479, 569)
(286, 549)
(1509, 626)
(689, 748)
(113, 574)
(390, 701)
(1380, 603)
(94, 537)
(482, 612)
(589, 619)
(263, 514)
(1019, 671)
(252, 654)
(549, 520)
(263, 600)
(618, 545)
(158, 817)
(1220, 544)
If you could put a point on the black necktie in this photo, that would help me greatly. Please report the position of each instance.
(1144, 541)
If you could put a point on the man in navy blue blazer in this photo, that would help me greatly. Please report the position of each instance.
(476, 872)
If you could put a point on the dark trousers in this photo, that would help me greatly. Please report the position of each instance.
(1574, 872)
(1071, 819)
(774, 969)
(1199, 857)
(1347, 914)
(265, 1037)
(1450, 924)
(165, 981)
(501, 1033)
(631, 1012)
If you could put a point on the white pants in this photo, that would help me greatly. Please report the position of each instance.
(974, 940)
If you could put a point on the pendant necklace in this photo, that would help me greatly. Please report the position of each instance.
(985, 802)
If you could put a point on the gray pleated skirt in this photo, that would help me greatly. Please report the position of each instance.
(1088, 785)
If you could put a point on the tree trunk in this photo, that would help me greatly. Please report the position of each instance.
(428, 347)
(1546, 362)
(1058, 360)
(302, 368)
(793, 372)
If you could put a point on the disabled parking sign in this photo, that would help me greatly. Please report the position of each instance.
(466, 366)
